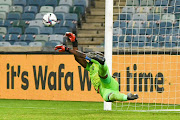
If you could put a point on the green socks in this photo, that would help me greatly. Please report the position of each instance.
(118, 97)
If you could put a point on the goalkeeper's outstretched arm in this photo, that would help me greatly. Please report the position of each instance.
(78, 57)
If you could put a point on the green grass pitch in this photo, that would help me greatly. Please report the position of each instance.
(64, 110)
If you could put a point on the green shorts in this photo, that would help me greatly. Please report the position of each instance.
(108, 85)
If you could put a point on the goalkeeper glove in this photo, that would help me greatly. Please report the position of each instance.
(61, 48)
(72, 38)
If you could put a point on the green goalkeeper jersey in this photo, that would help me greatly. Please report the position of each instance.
(95, 79)
(105, 86)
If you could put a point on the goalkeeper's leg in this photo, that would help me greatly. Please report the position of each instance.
(116, 96)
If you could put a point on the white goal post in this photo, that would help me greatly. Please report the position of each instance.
(108, 41)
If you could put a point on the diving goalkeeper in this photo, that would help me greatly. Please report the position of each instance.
(95, 63)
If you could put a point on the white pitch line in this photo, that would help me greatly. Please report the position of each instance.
(162, 111)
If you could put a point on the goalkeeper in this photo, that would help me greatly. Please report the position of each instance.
(102, 81)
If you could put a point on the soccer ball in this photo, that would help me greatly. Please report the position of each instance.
(49, 19)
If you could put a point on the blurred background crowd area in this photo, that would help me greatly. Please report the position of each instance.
(141, 25)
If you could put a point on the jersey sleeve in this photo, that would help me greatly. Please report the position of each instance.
(88, 66)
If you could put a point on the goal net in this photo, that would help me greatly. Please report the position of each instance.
(146, 53)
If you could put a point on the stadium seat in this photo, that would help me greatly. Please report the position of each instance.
(120, 24)
(35, 44)
(15, 30)
(124, 16)
(2, 15)
(50, 3)
(1, 38)
(177, 15)
(4, 8)
(158, 9)
(178, 44)
(36, 3)
(46, 30)
(115, 44)
(27, 38)
(153, 44)
(162, 31)
(169, 45)
(6, 2)
(122, 38)
(11, 37)
(147, 31)
(51, 44)
(66, 23)
(5, 44)
(139, 17)
(28, 16)
(19, 2)
(129, 9)
(71, 16)
(117, 31)
(147, 3)
(128, 38)
(36, 23)
(60, 16)
(18, 9)
(61, 30)
(39, 16)
(46, 9)
(169, 17)
(171, 39)
(141, 38)
(32, 30)
(138, 44)
(175, 31)
(153, 17)
(152, 38)
(3, 30)
(161, 3)
(177, 24)
(41, 38)
(79, 10)
(20, 44)
(116, 38)
(150, 24)
(132, 2)
(172, 9)
(56, 37)
(66, 2)
(119, 38)
(160, 39)
(31, 9)
(175, 3)
(136, 24)
(5, 23)
(166, 25)
(13, 16)
(62, 9)
(143, 10)
(80, 3)
(129, 31)
(122, 45)
(20, 23)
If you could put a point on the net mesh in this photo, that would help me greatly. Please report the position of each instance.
(146, 53)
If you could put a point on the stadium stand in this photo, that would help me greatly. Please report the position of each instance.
(21, 21)
(147, 19)
(154, 24)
